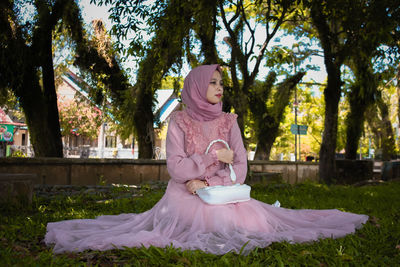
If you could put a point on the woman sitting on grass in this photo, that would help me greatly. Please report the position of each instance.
(181, 218)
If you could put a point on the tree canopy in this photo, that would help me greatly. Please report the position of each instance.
(360, 37)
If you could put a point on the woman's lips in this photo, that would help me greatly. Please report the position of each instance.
(218, 95)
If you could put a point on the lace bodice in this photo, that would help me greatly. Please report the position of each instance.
(198, 134)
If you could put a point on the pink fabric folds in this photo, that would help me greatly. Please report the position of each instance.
(194, 93)
(183, 220)
(186, 222)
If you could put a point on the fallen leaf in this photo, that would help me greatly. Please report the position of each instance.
(347, 257)
(305, 252)
(20, 248)
(374, 221)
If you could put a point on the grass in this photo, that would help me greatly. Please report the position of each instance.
(22, 229)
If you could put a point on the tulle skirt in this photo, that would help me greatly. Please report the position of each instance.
(183, 220)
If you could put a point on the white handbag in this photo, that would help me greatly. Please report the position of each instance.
(224, 194)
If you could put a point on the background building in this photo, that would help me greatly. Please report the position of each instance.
(77, 114)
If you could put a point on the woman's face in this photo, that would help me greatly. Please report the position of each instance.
(215, 88)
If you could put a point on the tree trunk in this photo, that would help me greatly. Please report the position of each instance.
(265, 142)
(388, 141)
(374, 125)
(335, 51)
(206, 21)
(145, 144)
(35, 110)
(327, 165)
(50, 100)
(263, 150)
(38, 101)
(355, 122)
(362, 95)
(240, 104)
(237, 99)
(241, 113)
(143, 121)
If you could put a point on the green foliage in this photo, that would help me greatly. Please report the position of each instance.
(104, 79)
(376, 244)
(167, 31)
(18, 154)
(79, 118)
(376, 21)
(268, 116)
(285, 60)
(379, 125)
(140, 17)
(10, 105)
(8, 99)
(100, 64)
(246, 94)
(310, 113)
(169, 82)
(163, 53)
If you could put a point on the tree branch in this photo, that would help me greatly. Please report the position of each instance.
(267, 39)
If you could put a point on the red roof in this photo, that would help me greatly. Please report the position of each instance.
(5, 119)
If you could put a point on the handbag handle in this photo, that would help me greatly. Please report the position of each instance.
(233, 174)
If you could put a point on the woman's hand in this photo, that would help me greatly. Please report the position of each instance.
(193, 185)
(225, 155)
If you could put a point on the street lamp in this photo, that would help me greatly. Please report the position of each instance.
(295, 104)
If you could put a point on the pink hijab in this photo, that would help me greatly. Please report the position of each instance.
(194, 93)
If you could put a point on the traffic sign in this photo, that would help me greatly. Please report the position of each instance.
(298, 129)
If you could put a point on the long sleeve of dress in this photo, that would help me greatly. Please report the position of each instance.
(222, 176)
(181, 167)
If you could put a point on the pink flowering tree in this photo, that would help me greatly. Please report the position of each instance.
(79, 118)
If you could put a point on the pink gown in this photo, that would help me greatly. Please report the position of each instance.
(183, 220)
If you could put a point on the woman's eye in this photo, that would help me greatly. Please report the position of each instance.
(213, 82)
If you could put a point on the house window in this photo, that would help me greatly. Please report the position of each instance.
(111, 141)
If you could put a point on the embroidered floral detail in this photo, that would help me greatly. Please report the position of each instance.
(195, 139)
(228, 123)
(192, 130)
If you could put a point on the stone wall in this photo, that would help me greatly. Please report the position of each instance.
(291, 172)
(68, 171)
(87, 171)
(353, 171)
(16, 188)
(391, 170)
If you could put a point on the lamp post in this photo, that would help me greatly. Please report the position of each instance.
(295, 104)
(295, 110)
(100, 139)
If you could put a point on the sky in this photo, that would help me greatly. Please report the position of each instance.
(91, 12)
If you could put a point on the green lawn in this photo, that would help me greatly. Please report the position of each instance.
(22, 229)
